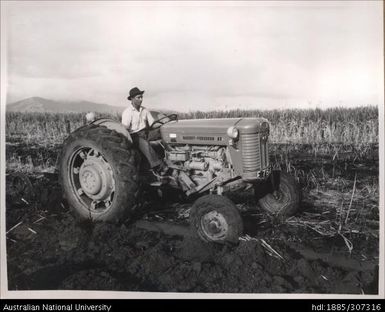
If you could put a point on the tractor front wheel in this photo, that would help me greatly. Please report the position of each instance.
(216, 219)
(283, 202)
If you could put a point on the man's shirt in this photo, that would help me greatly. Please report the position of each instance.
(135, 120)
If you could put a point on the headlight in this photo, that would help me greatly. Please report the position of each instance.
(233, 132)
(265, 126)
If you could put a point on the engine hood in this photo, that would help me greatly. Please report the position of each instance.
(201, 125)
(211, 130)
(217, 126)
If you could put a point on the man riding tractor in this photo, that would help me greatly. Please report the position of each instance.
(137, 119)
(101, 168)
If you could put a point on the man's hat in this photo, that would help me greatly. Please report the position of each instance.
(134, 92)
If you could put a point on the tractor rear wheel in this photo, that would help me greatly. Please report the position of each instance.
(216, 219)
(285, 201)
(99, 174)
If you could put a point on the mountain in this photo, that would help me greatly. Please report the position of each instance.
(38, 104)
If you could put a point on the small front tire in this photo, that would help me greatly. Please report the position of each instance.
(285, 201)
(216, 219)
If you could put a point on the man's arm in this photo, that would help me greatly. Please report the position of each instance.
(150, 118)
(126, 119)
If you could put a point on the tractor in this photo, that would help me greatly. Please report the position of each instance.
(102, 172)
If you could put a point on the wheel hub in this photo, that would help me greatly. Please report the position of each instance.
(214, 225)
(90, 180)
(96, 179)
(277, 195)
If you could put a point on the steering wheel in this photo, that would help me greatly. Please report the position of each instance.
(171, 117)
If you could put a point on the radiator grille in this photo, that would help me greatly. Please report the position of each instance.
(264, 154)
(251, 152)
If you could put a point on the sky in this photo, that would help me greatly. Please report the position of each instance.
(197, 55)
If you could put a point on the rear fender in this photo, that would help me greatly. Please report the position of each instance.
(113, 125)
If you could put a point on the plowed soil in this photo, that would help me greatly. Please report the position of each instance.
(47, 247)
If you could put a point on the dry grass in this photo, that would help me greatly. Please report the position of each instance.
(311, 126)
(44, 129)
(341, 211)
(357, 127)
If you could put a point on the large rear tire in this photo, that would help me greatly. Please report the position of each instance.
(216, 219)
(99, 174)
(285, 202)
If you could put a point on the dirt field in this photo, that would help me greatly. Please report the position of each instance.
(330, 246)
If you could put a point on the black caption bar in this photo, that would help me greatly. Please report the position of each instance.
(340, 305)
